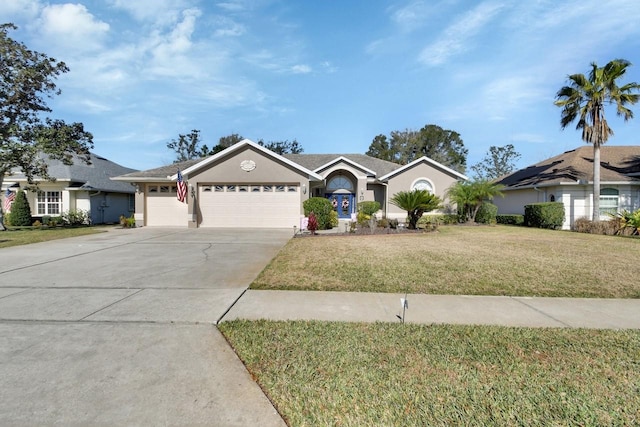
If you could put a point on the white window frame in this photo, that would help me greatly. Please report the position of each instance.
(609, 203)
(49, 202)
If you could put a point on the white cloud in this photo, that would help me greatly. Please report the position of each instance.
(72, 26)
(227, 27)
(457, 38)
(159, 12)
(301, 69)
(10, 10)
(414, 15)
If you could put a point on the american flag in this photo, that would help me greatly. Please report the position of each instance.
(182, 188)
(9, 196)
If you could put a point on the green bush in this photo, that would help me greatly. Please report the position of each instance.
(74, 218)
(369, 207)
(487, 213)
(321, 208)
(334, 219)
(544, 215)
(428, 222)
(510, 219)
(129, 222)
(20, 215)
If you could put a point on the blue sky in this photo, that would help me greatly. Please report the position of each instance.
(332, 74)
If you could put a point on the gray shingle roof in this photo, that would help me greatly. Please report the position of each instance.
(619, 164)
(162, 172)
(95, 177)
(308, 161)
(314, 161)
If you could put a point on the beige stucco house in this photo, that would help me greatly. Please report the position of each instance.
(247, 185)
(568, 178)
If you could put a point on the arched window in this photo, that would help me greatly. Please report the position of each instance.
(552, 198)
(340, 182)
(422, 184)
(609, 198)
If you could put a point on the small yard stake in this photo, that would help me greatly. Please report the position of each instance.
(404, 303)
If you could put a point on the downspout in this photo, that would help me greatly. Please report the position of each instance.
(543, 191)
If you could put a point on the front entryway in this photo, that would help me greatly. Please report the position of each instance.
(342, 203)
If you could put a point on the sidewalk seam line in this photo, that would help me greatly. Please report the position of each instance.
(112, 304)
(541, 312)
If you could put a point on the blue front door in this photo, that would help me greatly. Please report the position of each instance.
(342, 203)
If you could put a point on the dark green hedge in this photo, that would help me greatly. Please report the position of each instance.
(510, 219)
(544, 215)
(487, 213)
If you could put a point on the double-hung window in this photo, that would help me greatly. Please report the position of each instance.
(49, 202)
(609, 198)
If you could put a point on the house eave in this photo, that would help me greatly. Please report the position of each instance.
(345, 160)
(427, 160)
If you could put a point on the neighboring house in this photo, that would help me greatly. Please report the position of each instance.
(568, 178)
(79, 187)
(247, 185)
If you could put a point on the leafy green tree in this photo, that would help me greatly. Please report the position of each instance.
(469, 196)
(226, 141)
(188, 147)
(416, 203)
(497, 162)
(20, 215)
(283, 147)
(585, 98)
(27, 79)
(443, 146)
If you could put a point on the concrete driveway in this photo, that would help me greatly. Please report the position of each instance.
(117, 329)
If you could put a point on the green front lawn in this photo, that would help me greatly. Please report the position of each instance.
(28, 235)
(500, 260)
(389, 374)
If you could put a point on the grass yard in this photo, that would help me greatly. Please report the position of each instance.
(389, 374)
(25, 236)
(500, 260)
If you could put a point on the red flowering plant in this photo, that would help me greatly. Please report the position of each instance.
(312, 225)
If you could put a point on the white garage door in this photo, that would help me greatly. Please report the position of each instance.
(164, 208)
(256, 206)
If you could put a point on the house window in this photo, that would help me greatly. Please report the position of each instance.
(164, 188)
(255, 188)
(552, 198)
(292, 189)
(422, 184)
(153, 189)
(279, 188)
(267, 188)
(243, 188)
(608, 201)
(231, 188)
(340, 183)
(206, 189)
(49, 202)
(132, 202)
(218, 188)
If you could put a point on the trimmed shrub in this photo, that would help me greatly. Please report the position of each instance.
(129, 222)
(334, 219)
(428, 222)
(510, 219)
(487, 213)
(20, 215)
(74, 218)
(321, 208)
(544, 215)
(585, 225)
(312, 225)
(369, 207)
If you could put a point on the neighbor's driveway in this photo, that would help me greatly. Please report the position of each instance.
(116, 328)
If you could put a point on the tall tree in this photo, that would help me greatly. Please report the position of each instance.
(283, 147)
(497, 162)
(585, 98)
(441, 145)
(27, 79)
(226, 142)
(188, 147)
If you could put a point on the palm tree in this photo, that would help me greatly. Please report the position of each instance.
(416, 203)
(585, 98)
(469, 196)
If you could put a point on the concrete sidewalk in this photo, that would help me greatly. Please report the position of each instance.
(428, 309)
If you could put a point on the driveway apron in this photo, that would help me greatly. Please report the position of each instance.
(118, 328)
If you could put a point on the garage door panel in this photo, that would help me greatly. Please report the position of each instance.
(250, 209)
(165, 210)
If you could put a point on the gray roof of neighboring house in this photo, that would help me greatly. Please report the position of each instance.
(93, 177)
(618, 164)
